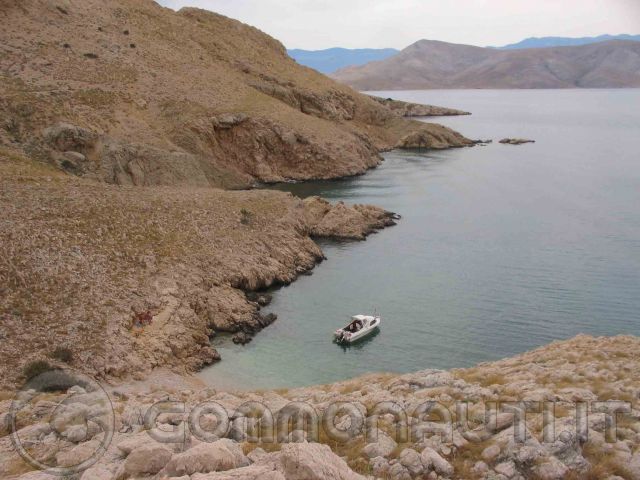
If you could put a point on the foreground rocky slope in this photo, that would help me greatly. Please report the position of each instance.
(453, 428)
(434, 64)
(129, 278)
(128, 92)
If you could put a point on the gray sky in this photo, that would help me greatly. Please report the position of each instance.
(317, 24)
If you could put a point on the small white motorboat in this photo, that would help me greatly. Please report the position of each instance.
(360, 326)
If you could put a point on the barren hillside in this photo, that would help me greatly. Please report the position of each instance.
(187, 98)
(431, 64)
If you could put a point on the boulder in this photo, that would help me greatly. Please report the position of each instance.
(97, 472)
(146, 460)
(411, 460)
(65, 137)
(551, 469)
(133, 442)
(76, 433)
(490, 453)
(508, 469)
(241, 338)
(78, 454)
(480, 468)
(256, 454)
(398, 471)
(499, 422)
(381, 448)
(68, 415)
(432, 460)
(253, 472)
(379, 466)
(314, 461)
(223, 454)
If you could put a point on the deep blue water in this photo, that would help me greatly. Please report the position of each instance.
(500, 249)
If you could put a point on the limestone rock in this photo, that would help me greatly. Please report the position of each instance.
(552, 469)
(490, 453)
(432, 460)
(383, 447)
(146, 460)
(223, 454)
(98, 472)
(411, 460)
(314, 461)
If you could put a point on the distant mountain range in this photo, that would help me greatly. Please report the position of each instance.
(332, 59)
(432, 64)
(545, 42)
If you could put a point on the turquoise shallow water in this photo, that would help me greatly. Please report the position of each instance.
(500, 248)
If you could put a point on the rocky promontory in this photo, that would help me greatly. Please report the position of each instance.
(408, 109)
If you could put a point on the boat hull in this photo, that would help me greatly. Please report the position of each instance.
(371, 325)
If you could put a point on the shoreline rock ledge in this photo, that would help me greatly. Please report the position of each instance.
(516, 141)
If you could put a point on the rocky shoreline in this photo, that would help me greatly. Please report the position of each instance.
(139, 278)
(465, 423)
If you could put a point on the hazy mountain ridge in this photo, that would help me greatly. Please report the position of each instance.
(432, 64)
(546, 42)
(332, 59)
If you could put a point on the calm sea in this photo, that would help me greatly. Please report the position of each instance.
(500, 248)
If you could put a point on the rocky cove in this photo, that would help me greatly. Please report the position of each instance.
(130, 239)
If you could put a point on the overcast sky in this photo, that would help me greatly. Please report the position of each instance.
(317, 24)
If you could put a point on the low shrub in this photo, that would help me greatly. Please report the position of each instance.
(63, 354)
(35, 368)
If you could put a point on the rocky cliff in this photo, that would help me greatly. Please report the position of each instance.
(131, 93)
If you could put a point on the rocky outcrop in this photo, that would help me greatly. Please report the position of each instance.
(344, 222)
(516, 141)
(435, 138)
(408, 109)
